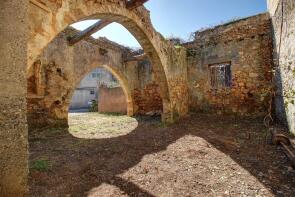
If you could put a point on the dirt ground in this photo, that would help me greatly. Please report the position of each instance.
(203, 155)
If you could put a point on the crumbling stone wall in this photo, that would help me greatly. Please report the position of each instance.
(147, 95)
(283, 20)
(148, 100)
(247, 45)
(145, 90)
(13, 127)
(48, 18)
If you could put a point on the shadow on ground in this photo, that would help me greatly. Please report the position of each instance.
(200, 156)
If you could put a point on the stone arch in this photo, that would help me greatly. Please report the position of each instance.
(60, 68)
(51, 17)
(119, 76)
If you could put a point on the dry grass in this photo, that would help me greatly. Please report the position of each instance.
(97, 125)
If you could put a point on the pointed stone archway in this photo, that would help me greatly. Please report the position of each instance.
(45, 19)
(118, 75)
(59, 70)
(49, 18)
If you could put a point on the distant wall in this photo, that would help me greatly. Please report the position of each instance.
(112, 100)
(81, 97)
(247, 45)
(88, 88)
(283, 20)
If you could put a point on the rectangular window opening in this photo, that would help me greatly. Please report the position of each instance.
(220, 76)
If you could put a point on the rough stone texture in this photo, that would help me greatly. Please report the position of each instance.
(50, 17)
(247, 44)
(13, 129)
(283, 19)
(178, 81)
(147, 95)
(145, 91)
(62, 68)
(148, 99)
(112, 100)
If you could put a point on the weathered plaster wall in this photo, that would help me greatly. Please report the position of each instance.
(13, 128)
(112, 100)
(283, 20)
(247, 44)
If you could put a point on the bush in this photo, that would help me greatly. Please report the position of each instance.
(94, 107)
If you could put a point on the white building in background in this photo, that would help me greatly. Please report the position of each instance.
(87, 91)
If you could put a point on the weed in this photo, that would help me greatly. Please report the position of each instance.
(41, 165)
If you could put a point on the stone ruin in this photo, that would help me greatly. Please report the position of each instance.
(59, 69)
(226, 70)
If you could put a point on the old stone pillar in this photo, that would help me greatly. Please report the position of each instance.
(13, 129)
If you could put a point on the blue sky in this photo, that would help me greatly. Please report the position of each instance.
(182, 17)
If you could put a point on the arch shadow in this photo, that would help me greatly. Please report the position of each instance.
(120, 154)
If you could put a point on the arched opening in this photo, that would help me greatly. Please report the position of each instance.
(63, 67)
(119, 77)
(136, 21)
(60, 68)
(52, 78)
(110, 109)
(66, 65)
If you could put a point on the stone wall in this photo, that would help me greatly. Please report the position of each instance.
(145, 91)
(148, 100)
(283, 20)
(246, 44)
(13, 127)
(112, 100)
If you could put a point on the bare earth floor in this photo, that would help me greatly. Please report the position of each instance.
(200, 156)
